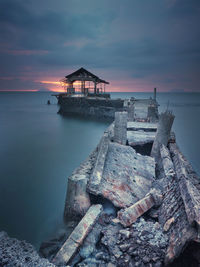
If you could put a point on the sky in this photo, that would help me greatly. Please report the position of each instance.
(136, 45)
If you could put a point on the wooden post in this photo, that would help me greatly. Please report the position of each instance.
(163, 133)
(120, 128)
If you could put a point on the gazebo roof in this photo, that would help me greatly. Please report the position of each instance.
(83, 75)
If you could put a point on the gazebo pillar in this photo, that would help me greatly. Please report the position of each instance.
(70, 88)
(83, 87)
(95, 87)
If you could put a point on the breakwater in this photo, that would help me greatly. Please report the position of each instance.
(153, 198)
(143, 192)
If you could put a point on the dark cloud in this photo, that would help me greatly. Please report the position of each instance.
(138, 39)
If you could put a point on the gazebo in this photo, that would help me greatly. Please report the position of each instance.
(84, 83)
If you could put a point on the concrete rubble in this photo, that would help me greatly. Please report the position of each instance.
(19, 253)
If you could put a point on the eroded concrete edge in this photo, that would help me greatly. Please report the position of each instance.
(77, 237)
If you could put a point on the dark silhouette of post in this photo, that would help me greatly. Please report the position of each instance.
(154, 94)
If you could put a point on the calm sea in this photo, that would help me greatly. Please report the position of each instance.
(39, 149)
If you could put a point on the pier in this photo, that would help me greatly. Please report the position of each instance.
(136, 198)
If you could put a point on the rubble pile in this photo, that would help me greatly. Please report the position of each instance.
(142, 244)
(19, 253)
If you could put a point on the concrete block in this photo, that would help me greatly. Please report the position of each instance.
(129, 215)
(127, 176)
(163, 133)
(96, 176)
(120, 128)
(71, 245)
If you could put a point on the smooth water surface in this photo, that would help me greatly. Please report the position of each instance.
(39, 149)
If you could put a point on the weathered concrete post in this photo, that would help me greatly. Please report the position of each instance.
(77, 199)
(131, 111)
(152, 113)
(163, 132)
(120, 128)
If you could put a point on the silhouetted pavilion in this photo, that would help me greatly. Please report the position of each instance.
(82, 75)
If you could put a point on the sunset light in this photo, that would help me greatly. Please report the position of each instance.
(51, 82)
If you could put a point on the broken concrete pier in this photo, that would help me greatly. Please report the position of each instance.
(136, 200)
(149, 193)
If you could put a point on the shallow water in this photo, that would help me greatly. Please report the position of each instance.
(39, 149)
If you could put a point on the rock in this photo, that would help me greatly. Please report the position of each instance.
(124, 247)
(110, 264)
(124, 233)
(146, 259)
(19, 253)
(77, 237)
(110, 238)
(157, 196)
(168, 224)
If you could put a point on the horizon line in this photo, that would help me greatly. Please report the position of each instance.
(49, 91)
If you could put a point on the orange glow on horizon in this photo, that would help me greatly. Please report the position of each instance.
(51, 82)
(57, 90)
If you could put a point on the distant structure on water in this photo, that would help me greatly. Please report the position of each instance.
(84, 83)
(85, 96)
